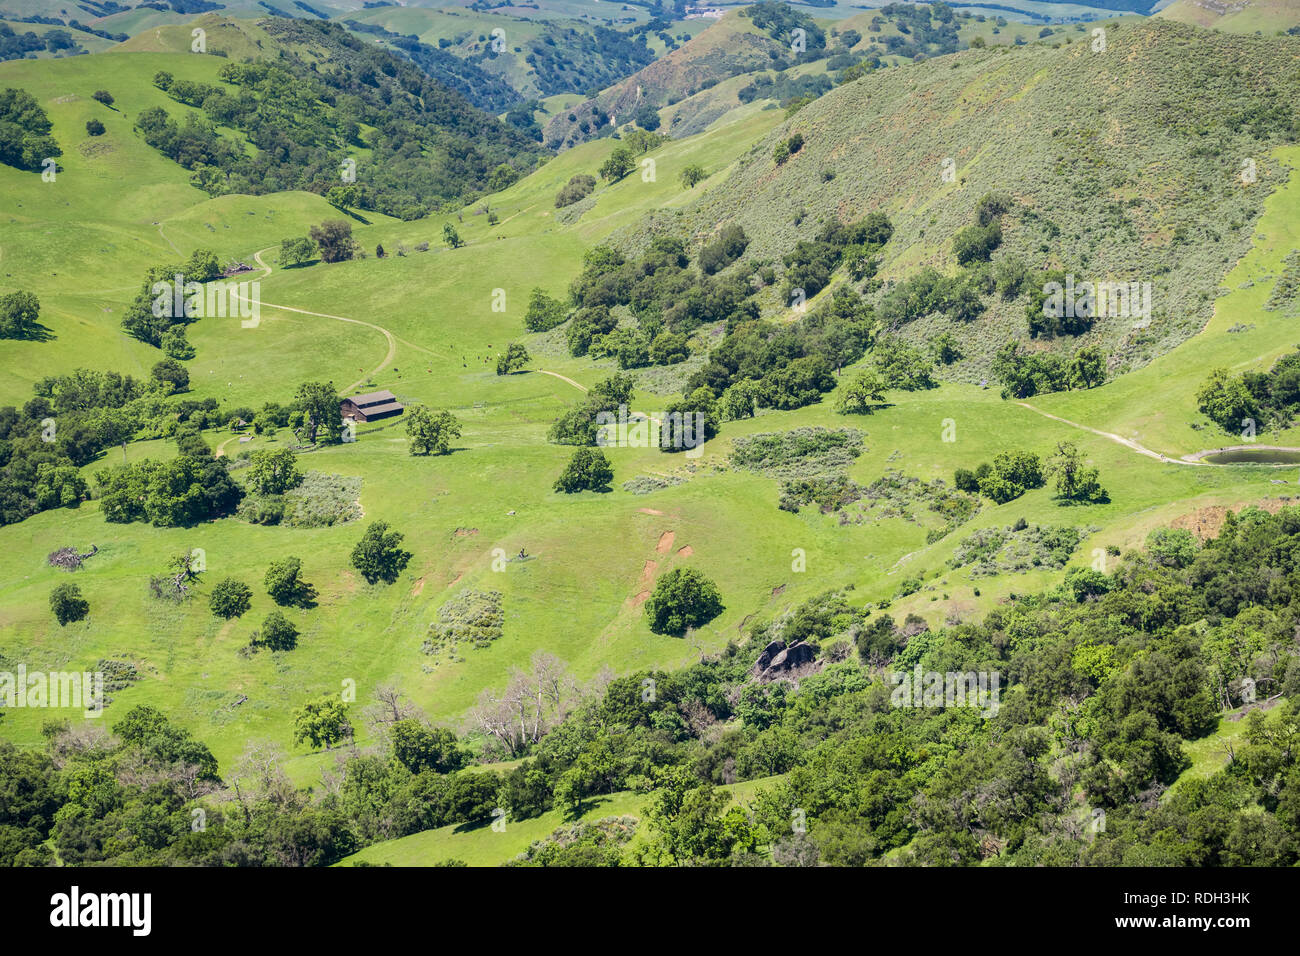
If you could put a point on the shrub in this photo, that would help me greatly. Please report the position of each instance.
(976, 243)
(67, 603)
(284, 582)
(588, 470)
(729, 246)
(277, 633)
(693, 175)
(377, 555)
(684, 598)
(473, 617)
(544, 313)
(578, 187)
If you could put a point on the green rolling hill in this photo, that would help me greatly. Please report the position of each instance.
(885, 489)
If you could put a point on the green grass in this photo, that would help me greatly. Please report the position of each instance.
(1212, 753)
(483, 846)
(83, 244)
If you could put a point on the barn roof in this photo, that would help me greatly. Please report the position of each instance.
(386, 408)
(371, 398)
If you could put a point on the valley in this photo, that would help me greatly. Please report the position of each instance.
(844, 270)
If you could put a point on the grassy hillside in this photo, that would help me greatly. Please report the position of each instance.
(237, 39)
(483, 846)
(1109, 194)
(509, 423)
(1123, 163)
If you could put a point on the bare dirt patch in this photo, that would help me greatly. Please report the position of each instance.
(665, 542)
(649, 511)
(1205, 523)
(465, 532)
(685, 552)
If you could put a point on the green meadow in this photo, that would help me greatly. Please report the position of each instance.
(118, 207)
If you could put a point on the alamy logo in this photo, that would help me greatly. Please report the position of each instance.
(73, 909)
(1097, 299)
(84, 689)
(639, 430)
(919, 688)
(195, 300)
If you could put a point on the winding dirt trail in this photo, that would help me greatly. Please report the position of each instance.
(583, 388)
(563, 378)
(1196, 458)
(1119, 439)
(168, 241)
(388, 336)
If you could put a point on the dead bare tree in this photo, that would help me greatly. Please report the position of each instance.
(263, 779)
(175, 584)
(390, 706)
(531, 704)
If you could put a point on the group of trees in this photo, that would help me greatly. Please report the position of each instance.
(25, 140)
(857, 246)
(169, 494)
(68, 422)
(430, 147)
(17, 46)
(1024, 374)
(774, 365)
(231, 598)
(788, 365)
(1252, 400)
(1010, 476)
(579, 425)
(160, 312)
(1012, 473)
(622, 159)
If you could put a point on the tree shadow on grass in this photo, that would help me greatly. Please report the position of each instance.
(585, 806)
(36, 333)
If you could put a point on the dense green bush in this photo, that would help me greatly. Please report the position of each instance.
(682, 599)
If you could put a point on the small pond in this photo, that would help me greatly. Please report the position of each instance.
(1254, 456)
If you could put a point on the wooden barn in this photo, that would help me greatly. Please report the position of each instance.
(372, 405)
